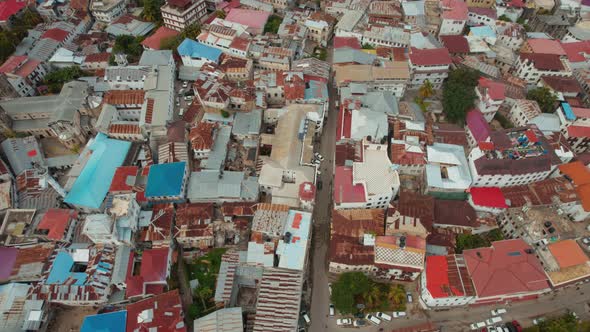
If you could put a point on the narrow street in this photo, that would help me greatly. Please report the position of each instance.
(322, 213)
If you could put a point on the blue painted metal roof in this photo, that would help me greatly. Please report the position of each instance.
(194, 49)
(109, 322)
(482, 31)
(165, 180)
(316, 90)
(60, 270)
(94, 181)
(569, 113)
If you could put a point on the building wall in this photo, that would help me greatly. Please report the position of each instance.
(481, 3)
(341, 268)
(526, 71)
(109, 15)
(452, 27)
(434, 74)
(431, 302)
(179, 21)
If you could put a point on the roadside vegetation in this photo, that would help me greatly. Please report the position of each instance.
(565, 323)
(354, 288)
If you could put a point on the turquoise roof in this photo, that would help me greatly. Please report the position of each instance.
(483, 31)
(569, 113)
(94, 181)
(165, 180)
(60, 271)
(109, 322)
(194, 49)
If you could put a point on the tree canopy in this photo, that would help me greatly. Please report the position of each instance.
(151, 10)
(565, 323)
(348, 286)
(544, 97)
(56, 79)
(129, 45)
(273, 23)
(459, 94)
(171, 43)
(504, 18)
(472, 241)
(9, 39)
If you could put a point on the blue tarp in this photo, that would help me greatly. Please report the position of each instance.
(165, 180)
(109, 322)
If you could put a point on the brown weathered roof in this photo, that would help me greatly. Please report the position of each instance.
(456, 213)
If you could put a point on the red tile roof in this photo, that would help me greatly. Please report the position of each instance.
(568, 253)
(400, 156)
(167, 314)
(494, 89)
(455, 44)
(12, 63)
(155, 40)
(355, 223)
(55, 221)
(202, 136)
(488, 197)
(575, 51)
(352, 42)
(543, 61)
(240, 44)
(149, 111)
(445, 278)
(119, 183)
(454, 10)
(124, 97)
(578, 131)
(154, 264)
(344, 190)
(97, 57)
(562, 84)
(348, 250)
(581, 112)
(546, 46)
(10, 7)
(56, 34)
(430, 57)
(124, 129)
(505, 269)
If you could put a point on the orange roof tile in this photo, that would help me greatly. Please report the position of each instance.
(150, 111)
(127, 129)
(201, 136)
(577, 172)
(124, 97)
(568, 253)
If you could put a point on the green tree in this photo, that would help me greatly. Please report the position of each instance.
(426, 90)
(220, 14)
(170, 43)
(396, 295)
(129, 45)
(204, 293)
(367, 46)
(56, 79)
(193, 311)
(544, 97)
(459, 94)
(273, 24)
(373, 296)
(151, 10)
(504, 18)
(192, 31)
(565, 323)
(349, 286)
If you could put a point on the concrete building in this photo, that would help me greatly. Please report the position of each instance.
(454, 17)
(532, 66)
(179, 14)
(429, 65)
(490, 96)
(23, 74)
(107, 11)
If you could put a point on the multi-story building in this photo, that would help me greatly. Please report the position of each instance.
(429, 65)
(454, 17)
(446, 282)
(178, 14)
(319, 26)
(532, 66)
(481, 3)
(107, 11)
(575, 126)
(490, 96)
(369, 183)
(23, 74)
(512, 157)
(392, 76)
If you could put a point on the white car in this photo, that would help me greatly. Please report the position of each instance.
(383, 316)
(538, 320)
(344, 322)
(181, 112)
(398, 314)
(493, 320)
(586, 240)
(306, 317)
(330, 288)
(331, 309)
(409, 297)
(478, 325)
(498, 312)
(373, 319)
(188, 98)
(184, 84)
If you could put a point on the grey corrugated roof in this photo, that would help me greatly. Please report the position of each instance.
(43, 49)
(218, 152)
(208, 185)
(247, 123)
(61, 161)
(153, 57)
(18, 151)
(135, 28)
(345, 55)
(187, 73)
(222, 320)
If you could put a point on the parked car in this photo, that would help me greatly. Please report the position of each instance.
(409, 297)
(181, 112)
(359, 315)
(383, 316)
(586, 240)
(514, 326)
(398, 314)
(478, 325)
(359, 323)
(184, 84)
(344, 322)
(318, 156)
(538, 320)
(373, 319)
(331, 309)
(329, 284)
(306, 317)
(493, 320)
(498, 312)
(188, 98)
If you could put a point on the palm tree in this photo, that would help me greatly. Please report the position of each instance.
(373, 296)
(204, 293)
(396, 295)
(426, 90)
